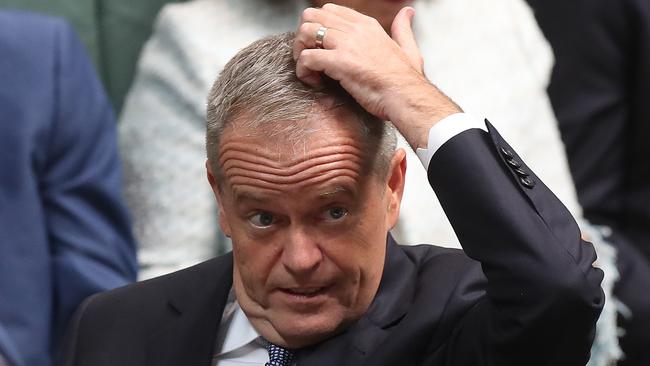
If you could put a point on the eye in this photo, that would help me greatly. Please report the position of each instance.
(262, 219)
(334, 214)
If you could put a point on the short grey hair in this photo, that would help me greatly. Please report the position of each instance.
(259, 88)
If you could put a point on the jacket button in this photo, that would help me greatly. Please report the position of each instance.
(507, 153)
(527, 181)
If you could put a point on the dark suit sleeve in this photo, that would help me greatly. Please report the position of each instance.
(88, 226)
(543, 294)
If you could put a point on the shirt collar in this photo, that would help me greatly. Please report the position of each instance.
(235, 330)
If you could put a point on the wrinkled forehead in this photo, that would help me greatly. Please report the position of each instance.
(271, 166)
(288, 141)
(295, 137)
(291, 153)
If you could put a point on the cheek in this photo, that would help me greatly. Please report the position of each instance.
(254, 264)
(371, 257)
(370, 244)
(360, 257)
(361, 263)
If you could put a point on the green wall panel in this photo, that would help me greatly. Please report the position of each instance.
(114, 32)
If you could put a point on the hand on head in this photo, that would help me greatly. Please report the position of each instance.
(382, 10)
(357, 52)
(383, 73)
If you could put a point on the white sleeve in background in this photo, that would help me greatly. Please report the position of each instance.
(444, 130)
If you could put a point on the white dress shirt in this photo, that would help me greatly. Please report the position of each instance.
(238, 343)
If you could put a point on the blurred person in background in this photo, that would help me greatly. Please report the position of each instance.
(64, 231)
(600, 90)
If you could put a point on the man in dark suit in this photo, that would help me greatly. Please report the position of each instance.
(309, 183)
(64, 233)
(600, 89)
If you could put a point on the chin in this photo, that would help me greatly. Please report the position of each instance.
(301, 330)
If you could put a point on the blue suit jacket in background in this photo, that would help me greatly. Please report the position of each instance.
(64, 231)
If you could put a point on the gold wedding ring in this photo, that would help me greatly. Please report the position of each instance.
(320, 36)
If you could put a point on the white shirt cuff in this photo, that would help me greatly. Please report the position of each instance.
(444, 130)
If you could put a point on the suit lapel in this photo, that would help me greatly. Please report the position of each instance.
(194, 308)
(391, 303)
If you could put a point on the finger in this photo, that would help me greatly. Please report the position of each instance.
(350, 15)
(342, 11)
(313, 62)
(311, 78)
(306, 38)
(402, 34)
(305, 73)
(328, 19)
(301, 41)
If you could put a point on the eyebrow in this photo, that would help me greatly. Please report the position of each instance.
(336, 191)
(248, 196)
(333, 192)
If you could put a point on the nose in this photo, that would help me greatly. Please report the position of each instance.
(301, 253)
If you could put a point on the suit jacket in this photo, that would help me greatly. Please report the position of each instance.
(600, 89)
(64, 233)
(529, 296)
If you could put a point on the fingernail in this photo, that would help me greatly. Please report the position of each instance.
(411, 12)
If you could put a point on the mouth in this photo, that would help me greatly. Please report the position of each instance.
(304, 292)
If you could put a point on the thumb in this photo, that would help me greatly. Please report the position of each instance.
(402, 34)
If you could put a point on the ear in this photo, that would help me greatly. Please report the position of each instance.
(223, 217)
(395, 186)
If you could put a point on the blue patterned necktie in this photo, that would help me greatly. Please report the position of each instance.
(278, 356)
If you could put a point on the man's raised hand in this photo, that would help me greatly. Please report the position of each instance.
(384, 74)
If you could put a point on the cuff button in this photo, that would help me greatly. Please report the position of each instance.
(527, 181)
(513, 163)
(507, 153)
(520, 172)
